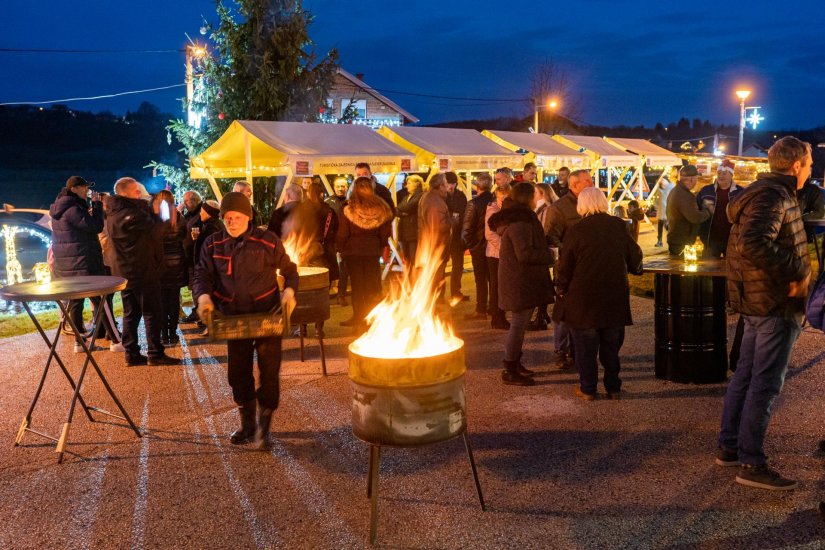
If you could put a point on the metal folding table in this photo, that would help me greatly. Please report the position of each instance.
(60, 291)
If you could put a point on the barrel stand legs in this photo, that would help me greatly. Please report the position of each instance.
(319, 332)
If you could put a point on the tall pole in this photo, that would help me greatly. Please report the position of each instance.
(741, 123)
(536, 118)
(190, 86)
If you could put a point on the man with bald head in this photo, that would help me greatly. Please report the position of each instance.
(135, 254)
(563, 214)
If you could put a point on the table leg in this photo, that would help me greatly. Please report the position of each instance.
(475, 472)
(372, 489)
(301, 329)
(323, 355)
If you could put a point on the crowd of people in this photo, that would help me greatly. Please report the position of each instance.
(531, 245)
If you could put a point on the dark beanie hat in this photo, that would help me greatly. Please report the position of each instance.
(236, 202)
(76, 181)
(211, 210)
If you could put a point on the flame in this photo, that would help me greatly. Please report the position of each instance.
(300, 241)
(406, 324)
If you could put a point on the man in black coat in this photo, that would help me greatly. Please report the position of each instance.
(337, 202)
(293, 195)
(456, 204)
(135, 244)
(812, 204)
(560, 186)
(75, 242)
(472, 235)
(190, 208)
(768, 274)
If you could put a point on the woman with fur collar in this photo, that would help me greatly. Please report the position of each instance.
(364, 230)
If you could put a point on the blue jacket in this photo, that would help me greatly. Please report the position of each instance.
(239, 273)
(75, 244)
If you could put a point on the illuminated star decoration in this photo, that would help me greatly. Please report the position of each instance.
(754, 118)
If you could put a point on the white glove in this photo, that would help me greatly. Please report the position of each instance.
(205, 306)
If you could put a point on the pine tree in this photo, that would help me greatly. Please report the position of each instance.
(261, 66)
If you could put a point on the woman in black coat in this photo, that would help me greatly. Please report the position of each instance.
(408, 218)
(523, 273)
(591, 280)
(364, 230)
(174, 274)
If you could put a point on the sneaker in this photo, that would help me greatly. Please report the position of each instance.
(137, 361)
(116, 346)
(516, 379)
(763, 477)
(163, 360)
(79, 349)
(584, 396)
(727, 458)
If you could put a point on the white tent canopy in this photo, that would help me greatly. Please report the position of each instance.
(652, 154)
(547, 153)
(606, 154)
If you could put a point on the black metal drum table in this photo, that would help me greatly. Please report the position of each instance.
(690, 320)
(60, 291)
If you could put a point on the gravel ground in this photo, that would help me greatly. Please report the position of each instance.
(556, 472)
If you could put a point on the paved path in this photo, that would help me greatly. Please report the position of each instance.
(556, 472)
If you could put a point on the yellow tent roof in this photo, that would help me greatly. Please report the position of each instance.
(451, 149)
(545, 151)
(265, 148)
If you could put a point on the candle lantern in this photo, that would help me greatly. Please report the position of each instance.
(42, 273)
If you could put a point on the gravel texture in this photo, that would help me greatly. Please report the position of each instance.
(556, 472)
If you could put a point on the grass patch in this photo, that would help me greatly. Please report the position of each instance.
(17, 324)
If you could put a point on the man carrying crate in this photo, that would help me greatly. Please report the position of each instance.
(237, 268)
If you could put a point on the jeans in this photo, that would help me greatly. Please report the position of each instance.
(515, 335)
(561, 338)
(758, 379)
(604, 343)
(142, 301)
(240, 370)
(481, 275)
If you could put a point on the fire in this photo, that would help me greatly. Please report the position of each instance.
(406, 324)
(300, 242)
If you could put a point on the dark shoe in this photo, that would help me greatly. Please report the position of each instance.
(763, 477)
(521, 369)
(512, 377)
(246, 432)
(822, 510)
(538, 324)
(822, 445)
(191, 318)
(727, 458)
(502, 324)
(564, 361)
(476, 315)
(348, 323)
(262, 430)
(163, 360)
(585, 396)
(174, 339)
(614, 395)
(137, 361)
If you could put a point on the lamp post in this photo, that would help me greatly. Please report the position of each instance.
(193, 52)
(742, 95)
(552, 104)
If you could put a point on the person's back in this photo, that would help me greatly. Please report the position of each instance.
(562, 216)
(133, 238)
(75, 230)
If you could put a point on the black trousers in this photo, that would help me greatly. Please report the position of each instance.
(170, 303)
(481, 274)
(142, 301)
(496, 312)
(240, 370)
(343, 278)
(365, 277)
(408, 248)
(457, 261)
(107, 324)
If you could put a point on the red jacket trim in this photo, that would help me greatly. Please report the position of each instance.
(265, 294)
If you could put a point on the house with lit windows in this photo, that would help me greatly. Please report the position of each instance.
(370, 108)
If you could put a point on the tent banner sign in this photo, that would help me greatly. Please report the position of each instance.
(444, 164)
(406, 165)
(303, 168)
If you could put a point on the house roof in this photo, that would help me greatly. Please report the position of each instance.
(361, 85)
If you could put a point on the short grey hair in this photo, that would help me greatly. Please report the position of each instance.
(438, 181)
(293, 192)
(591, 201)
(484, 182)
(123, 184)
(243, 183)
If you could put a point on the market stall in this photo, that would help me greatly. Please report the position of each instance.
(452, 150)
(746, 169)
(652, 156)
(251, 149)
(621, 167)
(548, 154)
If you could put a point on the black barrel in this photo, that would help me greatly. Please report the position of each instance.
(312, 306)
(690, 328)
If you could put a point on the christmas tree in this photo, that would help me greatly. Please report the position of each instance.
(261, 66)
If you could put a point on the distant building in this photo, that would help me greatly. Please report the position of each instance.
(373, 109)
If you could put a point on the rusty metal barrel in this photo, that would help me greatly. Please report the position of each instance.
(312, 298)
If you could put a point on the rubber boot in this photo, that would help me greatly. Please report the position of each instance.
(247, 430)
(511, 376)
(262, 431)
(522, 370)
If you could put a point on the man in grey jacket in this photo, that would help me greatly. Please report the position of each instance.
(684, 216)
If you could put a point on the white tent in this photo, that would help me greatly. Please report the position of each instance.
(264, 148)
(652, 155)
(547, 153)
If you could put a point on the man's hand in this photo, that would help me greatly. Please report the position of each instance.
(205, 306)
(799, 289)
(288, 303)
(180, 208)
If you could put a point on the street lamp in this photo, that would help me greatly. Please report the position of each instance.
(742, 95)
(193, 52)
(552, 104)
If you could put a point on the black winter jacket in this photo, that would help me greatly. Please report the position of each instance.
(591, 275)
(135, 240)
(767, 249)
(240, 273)
(524, 259)
(563, 215)
(364, 233)
(75, 242)
(408, 216)
(175, 273)
(457, 205)
(472, 230)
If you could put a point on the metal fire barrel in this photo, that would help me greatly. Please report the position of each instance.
(312, 298)
(691, 328)
(408, 401)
